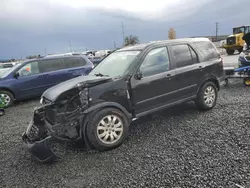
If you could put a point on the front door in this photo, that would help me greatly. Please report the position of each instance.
(29, 81)
(156, 86)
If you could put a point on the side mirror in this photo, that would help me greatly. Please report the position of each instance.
(16, 75)
(138, 76)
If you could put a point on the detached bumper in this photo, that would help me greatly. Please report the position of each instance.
(40, 149)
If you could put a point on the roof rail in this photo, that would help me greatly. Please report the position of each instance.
(65, 54)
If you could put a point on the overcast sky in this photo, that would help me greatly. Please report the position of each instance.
(30, 26)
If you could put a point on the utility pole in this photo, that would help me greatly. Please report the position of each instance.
(123, 38)
(114, 45)
(45, 51)
(70, 46)
(217, 28)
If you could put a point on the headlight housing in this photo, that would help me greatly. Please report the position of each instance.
(84, 96)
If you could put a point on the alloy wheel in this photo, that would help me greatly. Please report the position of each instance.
(209, 96)
(110, 129)
(4, 99)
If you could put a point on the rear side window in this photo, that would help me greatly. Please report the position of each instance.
(207, 50)
(194, 55)
(182, 55)
(49, 65)
(71, 62)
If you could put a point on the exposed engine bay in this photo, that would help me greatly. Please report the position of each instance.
(60, 119)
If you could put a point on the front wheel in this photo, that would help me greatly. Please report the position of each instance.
(6, 99)
(246, 81)
(230, 52)
(107, 129)
(207, 96)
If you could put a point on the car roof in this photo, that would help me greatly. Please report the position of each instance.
(61, 56)
(52, 57)
(155, 43)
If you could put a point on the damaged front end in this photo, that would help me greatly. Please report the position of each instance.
(57, 121)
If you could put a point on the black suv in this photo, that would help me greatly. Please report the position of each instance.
(129, 83)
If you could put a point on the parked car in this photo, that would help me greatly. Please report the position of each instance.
(6, 65)
(31, 78)
(129, 83)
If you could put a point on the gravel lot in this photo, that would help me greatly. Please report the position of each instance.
(178, 147)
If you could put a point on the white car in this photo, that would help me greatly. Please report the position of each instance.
(6, 66)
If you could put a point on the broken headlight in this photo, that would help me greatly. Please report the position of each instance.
(84, 97)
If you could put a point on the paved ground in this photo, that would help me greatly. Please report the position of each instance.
(178, 147)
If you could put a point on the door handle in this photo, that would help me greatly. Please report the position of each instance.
(43, 76)
(169, 76)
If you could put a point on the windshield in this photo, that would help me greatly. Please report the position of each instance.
(239, 30)
(8, 71)
(116, 64)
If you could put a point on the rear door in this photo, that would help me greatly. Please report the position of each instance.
(157, 85)
(187, 69)
(77, 66)
(211, 62)
(54, 72)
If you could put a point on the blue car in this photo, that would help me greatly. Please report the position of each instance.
(31, 78)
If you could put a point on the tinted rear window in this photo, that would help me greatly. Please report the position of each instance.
(182, 55)
(49, 65)
(74, 62)
(207, 50)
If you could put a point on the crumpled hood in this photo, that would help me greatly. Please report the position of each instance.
(54, 92)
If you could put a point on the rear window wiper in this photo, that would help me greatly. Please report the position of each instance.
(100, 74)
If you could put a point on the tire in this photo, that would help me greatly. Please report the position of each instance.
(226, 82)
(246, 82)
(7, 97)
(230, 52)
(103, 120)
(2, 112)
(212, 92)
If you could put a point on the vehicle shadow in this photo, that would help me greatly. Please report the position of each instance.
(25, 101)
(143, 124)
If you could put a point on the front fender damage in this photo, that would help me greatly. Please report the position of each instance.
(52, 126)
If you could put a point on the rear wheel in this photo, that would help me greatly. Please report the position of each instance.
(240, 50)
(246, 81)
(107, 129)
(230, 52)
(207, 96)
(6, 99)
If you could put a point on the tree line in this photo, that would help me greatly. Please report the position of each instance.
(132, 39)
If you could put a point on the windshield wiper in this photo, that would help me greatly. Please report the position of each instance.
(100, 74)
